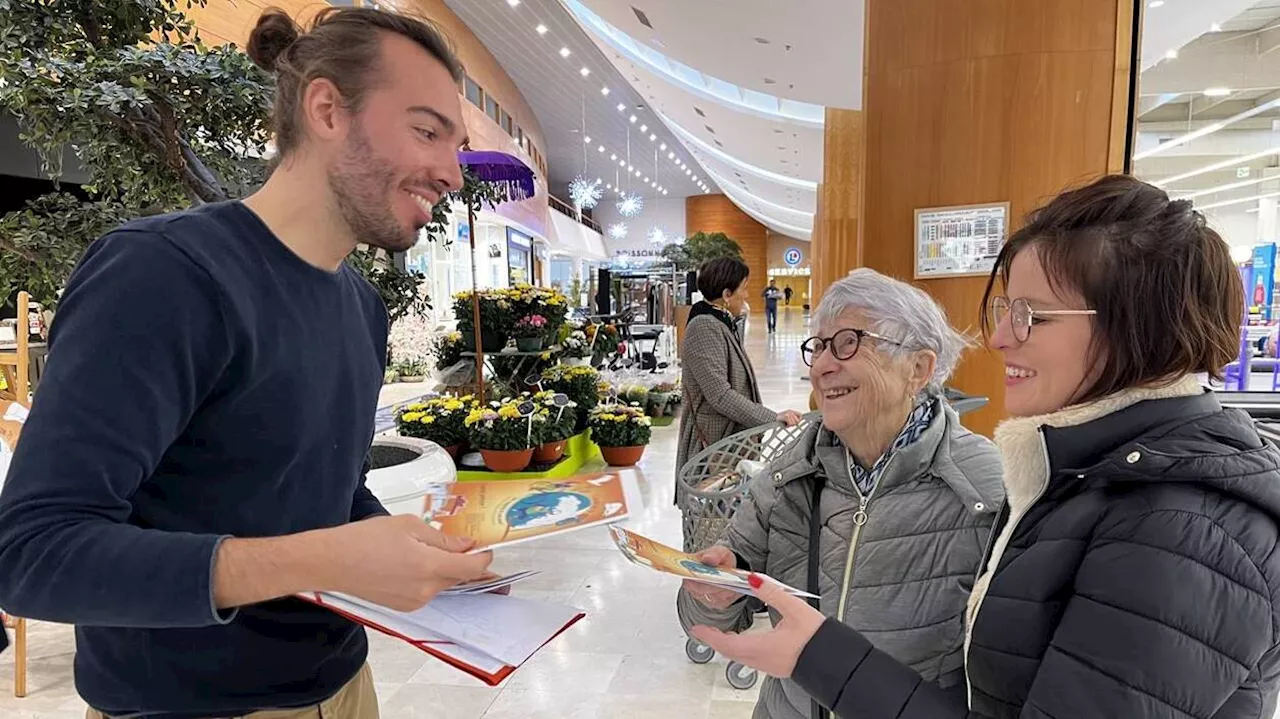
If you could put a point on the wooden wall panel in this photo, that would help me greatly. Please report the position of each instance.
(230, 21)
(717, 213)
(837, 224)
(971, 101)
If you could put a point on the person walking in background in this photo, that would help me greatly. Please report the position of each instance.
(721, 395)
(1133, 572)
(771, 296)
(786, 293)
(197, 452)
(891, 450)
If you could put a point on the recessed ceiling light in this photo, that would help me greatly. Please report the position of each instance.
(664, 147)
(646, 178)
(695, 178)
(621, 163)
(644, 128)
(671, 155)
(565, 52)
(542, 29)
(586, 140)
(608, 187)
(687, 171)
(613, 157)
(602, 148)
(513, 3)
(633, 119)
(1217, 92)
(584, 71)
(604, 91)
(630, 167)
(1171, 55)
(653, 138)
(621, 107)
(637, 173)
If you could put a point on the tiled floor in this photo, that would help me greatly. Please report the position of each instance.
(624, 661)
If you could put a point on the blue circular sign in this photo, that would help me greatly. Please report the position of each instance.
(792, 256)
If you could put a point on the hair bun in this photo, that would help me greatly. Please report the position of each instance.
(274, 33)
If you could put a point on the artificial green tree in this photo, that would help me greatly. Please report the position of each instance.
(700, 247)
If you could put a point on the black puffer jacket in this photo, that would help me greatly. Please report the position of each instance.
(1143, 582)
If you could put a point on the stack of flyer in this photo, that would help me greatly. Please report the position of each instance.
(478, 627)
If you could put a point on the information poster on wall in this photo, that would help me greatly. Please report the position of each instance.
(959, 241)
(1264, 277)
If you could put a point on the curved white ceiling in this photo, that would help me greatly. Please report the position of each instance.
(777, 48)
(765, 152)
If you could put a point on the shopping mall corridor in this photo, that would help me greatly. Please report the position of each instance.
(626, 660)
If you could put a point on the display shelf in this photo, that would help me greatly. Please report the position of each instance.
(580, 453)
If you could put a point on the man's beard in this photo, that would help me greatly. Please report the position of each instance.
(362, 185)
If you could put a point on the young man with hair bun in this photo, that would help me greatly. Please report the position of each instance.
(198, 450)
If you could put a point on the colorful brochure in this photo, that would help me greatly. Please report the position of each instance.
(488, 636)
(504, 513)
(648, 553)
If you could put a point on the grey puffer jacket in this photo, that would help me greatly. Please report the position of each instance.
(902, 578)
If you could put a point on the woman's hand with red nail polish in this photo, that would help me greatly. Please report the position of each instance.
(774, 652)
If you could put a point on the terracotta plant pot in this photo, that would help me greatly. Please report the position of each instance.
(622, 456)
(506, 461)
(550, 452)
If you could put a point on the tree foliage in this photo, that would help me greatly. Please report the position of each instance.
(700, 247)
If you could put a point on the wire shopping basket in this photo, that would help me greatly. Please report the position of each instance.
(711, 485)
(709, 489)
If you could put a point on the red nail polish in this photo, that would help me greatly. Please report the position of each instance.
(755, 581)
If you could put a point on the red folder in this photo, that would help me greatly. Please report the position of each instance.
(487, 669)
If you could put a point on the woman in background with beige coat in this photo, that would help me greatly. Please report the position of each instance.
(721, 395)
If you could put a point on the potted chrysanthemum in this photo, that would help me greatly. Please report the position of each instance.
(505, 434)
(622, 432)
(529, 333)
(560, 423)
(440, 420)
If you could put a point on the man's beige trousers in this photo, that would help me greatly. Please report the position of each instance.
(356, 700)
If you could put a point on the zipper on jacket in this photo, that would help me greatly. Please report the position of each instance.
(859, 520)
(977, 609)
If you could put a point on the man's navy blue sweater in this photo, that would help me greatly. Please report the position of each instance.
(203, 382)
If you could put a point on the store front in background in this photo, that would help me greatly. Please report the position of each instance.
(519, 258)
(504, 256)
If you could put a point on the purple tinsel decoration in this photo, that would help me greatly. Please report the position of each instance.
(499, 167)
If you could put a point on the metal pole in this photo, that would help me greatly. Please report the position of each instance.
(475, 307)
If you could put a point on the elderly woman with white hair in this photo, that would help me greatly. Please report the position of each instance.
(884, 509)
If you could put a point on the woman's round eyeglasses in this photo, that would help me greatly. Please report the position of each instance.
(844, 344)
(1021, 316)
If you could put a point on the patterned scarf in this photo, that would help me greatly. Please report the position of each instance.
(917, 422)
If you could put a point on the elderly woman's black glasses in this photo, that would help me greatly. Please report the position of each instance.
(1021, 316)
(844, 344)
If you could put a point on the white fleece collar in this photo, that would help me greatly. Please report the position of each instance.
(1026, 470)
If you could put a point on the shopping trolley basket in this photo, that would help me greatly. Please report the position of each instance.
(709, 489)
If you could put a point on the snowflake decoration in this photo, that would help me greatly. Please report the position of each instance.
(585, 193)
(618, 230)
(657, 236)
(630, 205)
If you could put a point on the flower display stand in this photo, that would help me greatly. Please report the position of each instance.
(579, 454)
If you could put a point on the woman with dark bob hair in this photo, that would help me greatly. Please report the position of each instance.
(1133, 570)
(721, 395)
